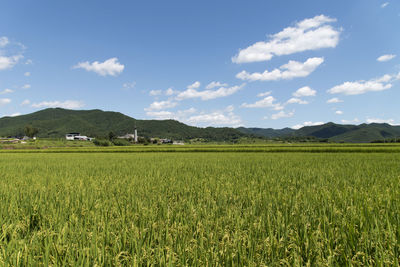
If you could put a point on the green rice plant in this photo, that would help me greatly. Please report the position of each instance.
(199, 209)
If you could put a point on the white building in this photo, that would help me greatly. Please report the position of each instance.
(77, 136)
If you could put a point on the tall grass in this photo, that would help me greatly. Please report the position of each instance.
(198, 209)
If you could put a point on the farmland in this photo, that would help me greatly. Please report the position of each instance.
(267, 205)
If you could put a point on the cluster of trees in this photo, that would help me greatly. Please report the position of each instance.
(31, 131)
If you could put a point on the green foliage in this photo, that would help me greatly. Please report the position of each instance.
(102, 142)
(121, 142)
(199, 209)
(30, 131)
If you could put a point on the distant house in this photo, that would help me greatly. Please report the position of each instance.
(77, 136)
(71, 136)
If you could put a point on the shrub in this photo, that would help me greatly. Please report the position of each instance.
(100, 142)
(121, 142)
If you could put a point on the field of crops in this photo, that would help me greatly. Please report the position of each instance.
(199, 209)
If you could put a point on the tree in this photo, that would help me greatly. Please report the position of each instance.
(111, 136)
(30, 131)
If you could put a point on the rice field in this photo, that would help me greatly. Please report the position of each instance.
(200, 209)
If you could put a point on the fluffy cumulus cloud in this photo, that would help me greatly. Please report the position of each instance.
(309, 34)
(195, 85)
(191, 92)
(68, 104)
(109, 67)
(385, 58)
(158, 105)
(304, 91)
(224, 117)
(375, 120)
(293, 69)
(339, 112)
(295, 100)
(155, 92)
(6, 91)
(4, 101)
(10, 53)
(384, 4)
(8, 62)
(212, 85)
(12, 115)
(266, 102)
(26, 86)
(168, 92)
(306, 123)
(264, 94)
(25, 102)
(362, 87)
(4, 41)
(282, 114)
(27, 74)
(355, 120)
(334, 100)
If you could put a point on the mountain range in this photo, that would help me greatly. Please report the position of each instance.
(56, 122)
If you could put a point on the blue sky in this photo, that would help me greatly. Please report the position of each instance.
(206, 63)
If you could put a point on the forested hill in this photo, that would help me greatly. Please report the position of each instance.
(362, 133)
(56, 122)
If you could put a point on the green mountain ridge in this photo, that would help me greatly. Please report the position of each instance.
(362, 133)
(56, 122)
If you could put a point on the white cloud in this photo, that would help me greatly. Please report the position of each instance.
(362, 87)
(25, 102)
(217, 118)
(68, 104)
(26, 86)
(356, 120)
(339, 112)
(385, 58)
(212, 85)
(4, 101)
(384, 4)
(224, 117)
(6, 91)
(334, 100)
(129, 85)
(9, 62)
(27, 74)
(28, 62)
(309, 34)
(293, 69)
(295, 100)
(305, 91)
(109, 67)
(12, 115)
(375, 120)
(4, 41)
(161, 115)
(266, 102)
(170, 92)
(264, 94)
(195, 85)
(307, 123)
(208, 94)
(164, 115)
(155, 92)
(158, 105)
(282, 114)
